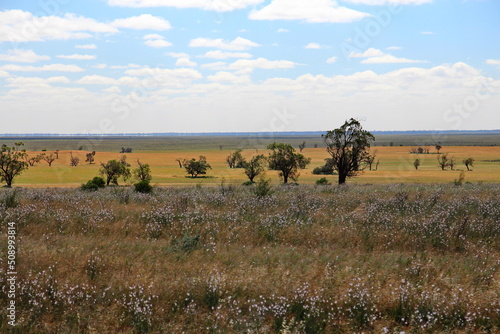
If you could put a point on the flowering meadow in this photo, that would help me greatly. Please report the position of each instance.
(300, 259)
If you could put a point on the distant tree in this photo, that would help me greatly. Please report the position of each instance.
(348, 146)
(326, 169)
(220, 147)
(114, 169)
(451, 163)
(235, 159)
(443, 161)
(315, 145)
(284, 159)
(376, 165)
(94, 184)
(12, 163)
(90, 157)
(143, 172)
(73, 161)
(181, 162)
(197, 167)
(302, 146)
(255, 167)
(416, 164)
(468, 162)
(438, 148)
(370, 159)
(126, 150)
(32, 161)
(56, 152)
(49, 158)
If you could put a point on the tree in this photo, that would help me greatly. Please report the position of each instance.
(416, 164)
(235, 159)
(49, 159)
(283, 158)
(180, 162)
(348, 146)
(370, 159)
(12, 163)
(143, 172)
(56, 152)
(197, 167)
(254, 167)
(443, 161)
(302, 146)
(90, 157)
(114, 169)
(469, 162)
(438, 148)
(32, 161)
(326, 169)
(452, 163)
(73, 161)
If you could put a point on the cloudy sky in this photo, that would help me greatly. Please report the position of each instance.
(141, 66)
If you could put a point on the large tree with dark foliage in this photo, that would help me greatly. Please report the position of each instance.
(12, 162)
(349, 147)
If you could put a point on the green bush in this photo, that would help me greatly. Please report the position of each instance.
(94, 184)
(143, 187)
(322, 181)
(263, 188)
(248, 183)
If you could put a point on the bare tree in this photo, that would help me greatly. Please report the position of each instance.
(443, 161)
(73, 161)
(49, 158)
(469, 162)
(302, 146)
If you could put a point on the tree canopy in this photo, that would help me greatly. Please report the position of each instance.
(284, 158)
(12, 162)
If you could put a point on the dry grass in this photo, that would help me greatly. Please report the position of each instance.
(396, 166)
(414, 258)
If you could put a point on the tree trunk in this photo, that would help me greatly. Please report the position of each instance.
(342, 178)
(285, 178)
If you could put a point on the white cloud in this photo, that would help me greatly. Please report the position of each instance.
(216, 66)
(389, 2)
(493, 61)
(313, 46)
(97, 80)
(22, 56)
(100, 66)
(388, 59)
(184, 61)
(371, 52)
(238, 44)
(394, 48)
(112, 90)
(280, 30)
(227, 77)
(142, 22)
(158, 43)
(77, 57)
(178, 55)
(262, 63)
(86, 46)
(165, 76)
(375, 56)
(3, 74)
(215, 5)
(21, 26)
(45, 68)
(153, 36)
(312, 11)
(59, 79)
(331, 60)
(217, 54)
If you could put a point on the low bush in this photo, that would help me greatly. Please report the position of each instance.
(94, 184)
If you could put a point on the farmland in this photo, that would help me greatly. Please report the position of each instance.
(396, 165)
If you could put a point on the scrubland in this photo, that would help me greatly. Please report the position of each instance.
(303, 259)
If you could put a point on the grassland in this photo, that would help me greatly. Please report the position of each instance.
(305, 259)
(396, 165)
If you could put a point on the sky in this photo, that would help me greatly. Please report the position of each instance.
(149, 66)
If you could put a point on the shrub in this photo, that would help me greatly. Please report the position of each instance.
(94, 184)
(263, 187)
(143, 187)
(322, 181)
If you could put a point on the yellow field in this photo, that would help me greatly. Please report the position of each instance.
(396, 166)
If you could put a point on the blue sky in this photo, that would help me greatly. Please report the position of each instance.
(119, 66)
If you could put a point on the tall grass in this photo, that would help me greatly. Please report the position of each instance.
(303, 259)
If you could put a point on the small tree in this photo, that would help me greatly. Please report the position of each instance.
(180, 162)
(114, 169)
(12, 163)
(326, 169)
(438, 148)
(56, 152)
(443, 161)
(49, 159)
(255, 166)
(90, 157)
(302, 146)
(235, 159)
(143, 172)
(73, 161)
(197, 167)
(370, 159)
(283, 158)
(416, 164)
(348, 146)
(32, 161)
(469, 162)
(451, 163)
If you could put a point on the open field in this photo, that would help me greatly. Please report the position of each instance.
(305, 259)
(396, 165)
